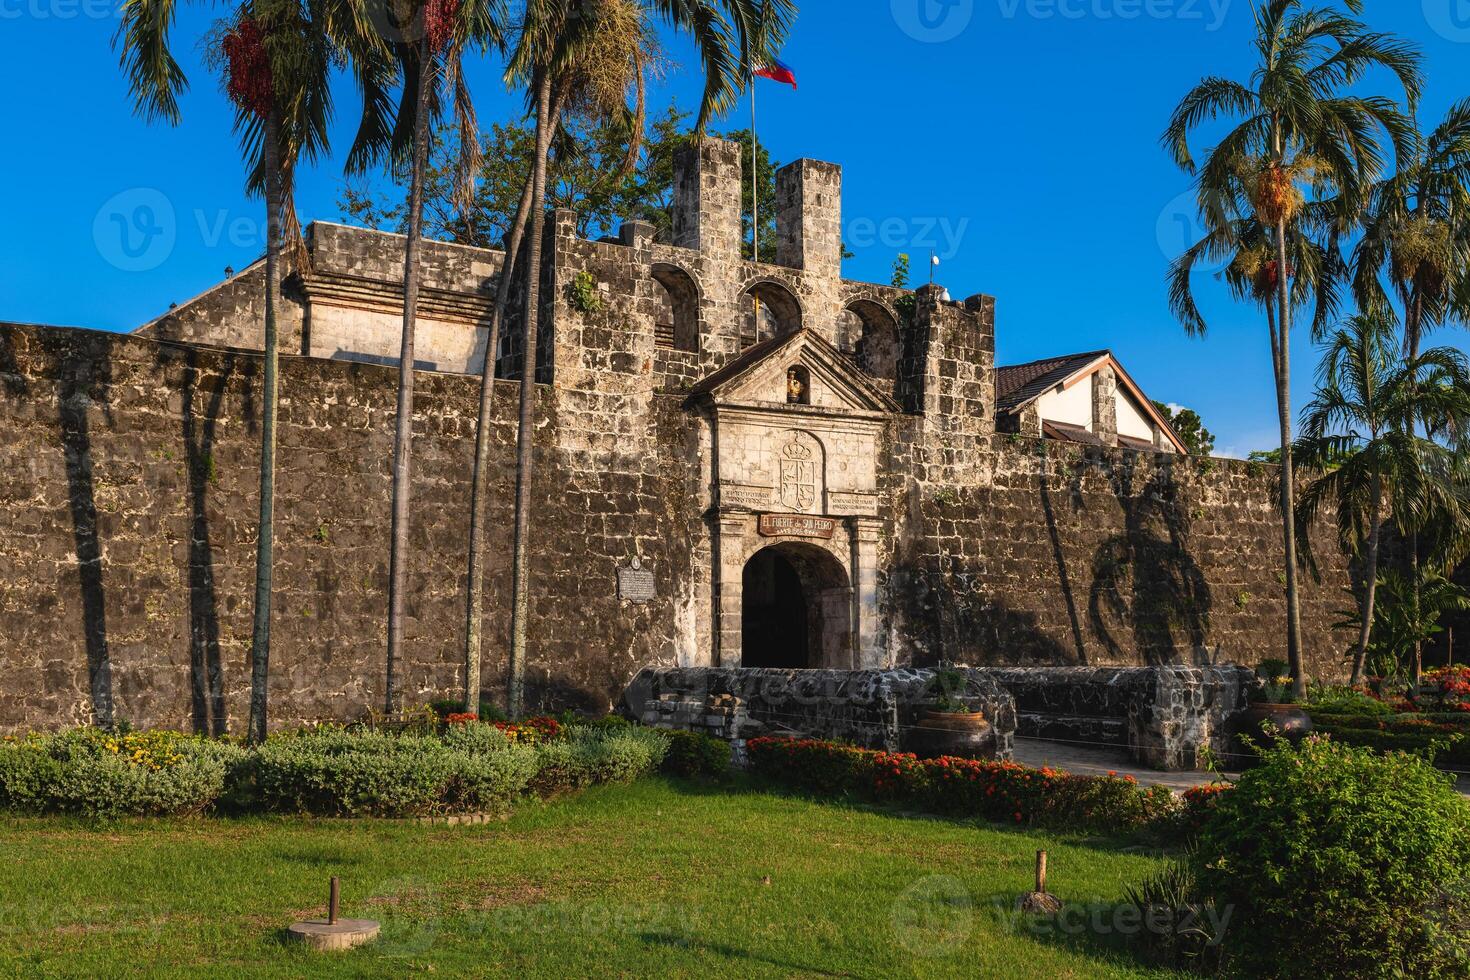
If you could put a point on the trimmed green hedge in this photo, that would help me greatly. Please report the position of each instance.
(1441, 737)
(696, 754)
(326, 771)
(96, 773)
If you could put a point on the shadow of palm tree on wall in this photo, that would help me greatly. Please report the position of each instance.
(205, 672)
(1145, 581)
(83, 373)
(1064, 579)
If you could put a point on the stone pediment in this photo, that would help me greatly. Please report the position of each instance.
(758, 379)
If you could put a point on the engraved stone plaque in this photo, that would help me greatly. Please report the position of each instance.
(745, 496)
(635, 583)
(859, 504)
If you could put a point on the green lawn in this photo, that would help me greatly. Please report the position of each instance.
(659, 878)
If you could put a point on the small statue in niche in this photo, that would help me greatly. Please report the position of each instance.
(796, 386)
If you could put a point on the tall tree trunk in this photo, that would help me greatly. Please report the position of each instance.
(520, 566)
(1414, 332)
(260, 637)
(1370, 590)
(1288, 488)
(479, 492)
(403, 439)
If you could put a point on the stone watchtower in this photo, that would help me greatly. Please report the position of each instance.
(816, 400)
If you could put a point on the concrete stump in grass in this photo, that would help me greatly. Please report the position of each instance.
(333, 933)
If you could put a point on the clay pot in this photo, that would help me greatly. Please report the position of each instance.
(1289, 721)
(965, 734)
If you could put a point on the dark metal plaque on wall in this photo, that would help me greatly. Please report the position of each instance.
(635, 583)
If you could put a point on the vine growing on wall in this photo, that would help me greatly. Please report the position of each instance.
(583, 294)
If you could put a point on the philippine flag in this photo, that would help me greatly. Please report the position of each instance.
(778, 71)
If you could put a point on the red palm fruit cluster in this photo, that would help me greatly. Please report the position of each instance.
(439, 22)
(249, 68)
(1275, 194)
(1267, 280)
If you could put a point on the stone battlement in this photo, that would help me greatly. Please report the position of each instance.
(681, 309)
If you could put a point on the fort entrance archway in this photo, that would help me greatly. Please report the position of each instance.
(796, 609)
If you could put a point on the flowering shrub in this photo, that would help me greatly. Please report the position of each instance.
(1200, 803)
(461, 718)
(1003, 791)
(532, 731)
(1449, 687)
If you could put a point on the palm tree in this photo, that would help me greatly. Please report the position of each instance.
(1417, 236)
(586, 56)
(1297, 140)
(426, 49)
(1417, 233)
(637, 51)
(1358, 434)
(277, 57)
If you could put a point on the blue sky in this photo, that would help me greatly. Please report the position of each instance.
(1018, 138)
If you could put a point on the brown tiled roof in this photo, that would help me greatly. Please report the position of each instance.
(1020, 384)
(1066, 432)
(1129, 442)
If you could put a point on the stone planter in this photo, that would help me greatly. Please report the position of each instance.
(964, 734)
(1287, 721)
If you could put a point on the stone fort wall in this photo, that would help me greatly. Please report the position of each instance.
(127, 523)
(129, 472)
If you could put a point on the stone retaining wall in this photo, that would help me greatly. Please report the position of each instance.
(1164, 716)
(871, 708)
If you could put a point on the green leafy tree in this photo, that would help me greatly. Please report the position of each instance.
(1189, 427)
(1301, 137)
(1359, 438)
(582, 176)
(276, 58)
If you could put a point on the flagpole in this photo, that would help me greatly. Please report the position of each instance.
(755, 189)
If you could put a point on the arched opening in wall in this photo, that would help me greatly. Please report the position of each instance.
(796, 609)
(871, 333)
(676, 323)
(767, 310)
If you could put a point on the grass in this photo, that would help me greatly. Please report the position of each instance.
(659, 878)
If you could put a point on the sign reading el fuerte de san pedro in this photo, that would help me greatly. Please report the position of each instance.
(797, 525)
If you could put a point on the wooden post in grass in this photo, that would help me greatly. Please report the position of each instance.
(1039, 902)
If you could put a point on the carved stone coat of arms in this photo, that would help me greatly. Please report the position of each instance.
(798, 477)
